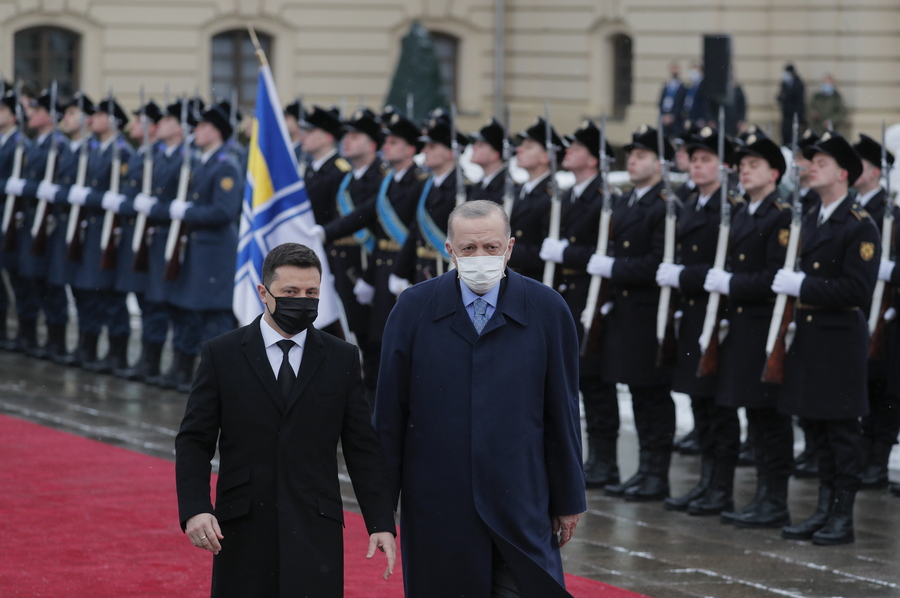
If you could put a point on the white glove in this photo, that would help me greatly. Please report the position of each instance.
(718, 281)
(587, 319)
(788, 282)
(47, 191)
(144, 203)
(112, 201)
(364, 292)
(669, 275)
(397, 285)
(319, 232)
(78, 195)
(14, 186)
(178, 208)
(885, 270)
(600, 265)
(552, 251)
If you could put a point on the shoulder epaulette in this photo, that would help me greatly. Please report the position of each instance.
(781, 204)
(859, 212)
(422, 175)
(735, 198)
(384, 168)
(343, 165)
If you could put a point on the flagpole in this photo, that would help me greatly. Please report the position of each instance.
(260, 55)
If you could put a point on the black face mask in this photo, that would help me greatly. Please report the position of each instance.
(294, 314)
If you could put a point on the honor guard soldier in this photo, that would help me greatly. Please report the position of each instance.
(348, 243)
(11, 137)
(99, 303)
(808, 195)
(579, 227)
(717, 428)
(200, 301)
(758, 240)
(320, 132)
(487, 152)
(881, 426)
(530, 218)
(424, 254)
(168, 160)
(238, 150)
(825, 366)
(889, 273)
(629, 344)
(292, 118)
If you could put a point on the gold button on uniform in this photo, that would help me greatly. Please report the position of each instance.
(518, 233)
(694, 248)
(691, 302)
(625, 293)
(740, 310)
(742, 257)
(377, 263)
(815, 265)
(626, 244)
(809, 318)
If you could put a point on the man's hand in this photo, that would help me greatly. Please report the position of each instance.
(203, 531)
(564, 525)
(384, 541)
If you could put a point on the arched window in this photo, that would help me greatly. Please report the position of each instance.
(622, 74)
(235, 66)
(45, 54)
(446, 49)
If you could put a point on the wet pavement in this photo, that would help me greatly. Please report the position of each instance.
(640, 547)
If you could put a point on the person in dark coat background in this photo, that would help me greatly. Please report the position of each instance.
(793, 101)
(477, 411)
(276, 396)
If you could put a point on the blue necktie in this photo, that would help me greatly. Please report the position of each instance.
(480, 314)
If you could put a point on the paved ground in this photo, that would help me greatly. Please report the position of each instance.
(640, 547)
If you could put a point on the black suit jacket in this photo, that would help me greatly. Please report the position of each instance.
(278, 498)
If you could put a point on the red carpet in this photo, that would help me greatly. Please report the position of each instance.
(81, 518)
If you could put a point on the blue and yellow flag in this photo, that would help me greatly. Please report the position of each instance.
(276, 209)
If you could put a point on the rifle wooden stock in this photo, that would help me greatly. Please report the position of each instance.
(666, 353)
(709, 359)
(173, 263)
(141, 262)
(39, 236)
(592, 344)
(9, 230)
(877, 343)
(75, 248)
(773, 372)
(108, 257)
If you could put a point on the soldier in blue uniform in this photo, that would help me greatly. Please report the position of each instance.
(487, 152)
(168, 160)
(825, 368)
(629, 344)
(200, 300)
(579, 228)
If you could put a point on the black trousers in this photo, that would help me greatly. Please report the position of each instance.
(772, 435)
(883, 422)
(601, 408)
(718, 428)
(839, 451)
(654, 417)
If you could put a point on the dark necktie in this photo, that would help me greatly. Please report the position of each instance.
(286, 375)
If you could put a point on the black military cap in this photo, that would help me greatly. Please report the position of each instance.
(86, 104)
(538, 132)
(327, 120)
(386, 113)
(757, 144)
(807, 139)
(111, 106)
(646, 138)
(226, 106)
(8, 99)
(588, 135)
(174, 110)
(438, 131)
(402, 127)
(708, 139)
(152, 110)
(492, 133)
(837, 147)
(293, 109)
(870, 151)
(218, 116)
(750, 130)
(687, 131)
(365, 121)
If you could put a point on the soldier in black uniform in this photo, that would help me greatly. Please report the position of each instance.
(629, 345)
(717, 428)
(292, 120)
(530, 218)
(889, 273)
(320, 132)
(881, 426)
(487, 152)
(825, 367)
(579, 228)
(757, 245)
(808, 196)
(424, 254)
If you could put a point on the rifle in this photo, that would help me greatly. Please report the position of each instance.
(776, 349)
(454, 145)
(665, 320)
(175, 243)
(39, 227)
(881, 298)
(12, 201)
(410, 105)
(709, 337)
(74, 230)
(597, 291)
(139, 240)
(108, 242)
(304, 155)
(555, 204)
(508, 183)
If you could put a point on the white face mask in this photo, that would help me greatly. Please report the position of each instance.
(481, 273)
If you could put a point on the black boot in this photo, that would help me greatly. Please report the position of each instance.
(762, 488)
(169, 379)
(26, 342)
(689, 444)
(146, 366)
(839, 527)
(87, 348)
(5, 343)
(772, 511)
(875, 475)
(806, 465)
(618, 490)
(57, 351)
(747, 454)
(895, 489)
(116, 357)
(680, 503)
(600, 469)
(185, 374)
(655, 485)
(806, 529)
(719, 496)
